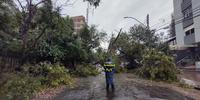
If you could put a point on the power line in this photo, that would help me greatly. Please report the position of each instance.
(164, 25)
(193, 10)
(183, 19)
(159, 23)
(194, 16)
(180, 19)
(196, 9)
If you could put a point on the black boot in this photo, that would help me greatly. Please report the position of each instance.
(113, 87)
(107, 87)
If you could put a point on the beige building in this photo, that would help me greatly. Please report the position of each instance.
(79, 23)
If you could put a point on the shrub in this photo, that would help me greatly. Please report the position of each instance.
(52, 75)
(157, 66)
(85, 70)
(56, 75)
(118, 67)
(32, 79)
(19, 87)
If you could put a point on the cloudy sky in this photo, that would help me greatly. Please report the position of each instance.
(109, 15)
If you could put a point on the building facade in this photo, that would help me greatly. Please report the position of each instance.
(187, 28)
(187, 22)
(79, 23)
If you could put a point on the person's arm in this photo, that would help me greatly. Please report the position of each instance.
(113, 68)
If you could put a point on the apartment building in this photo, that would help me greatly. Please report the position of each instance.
(79, 23)
(187, 21)
(187, 26)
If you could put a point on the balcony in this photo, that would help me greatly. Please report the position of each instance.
(186, 4)
(189, 39)
(188, 21)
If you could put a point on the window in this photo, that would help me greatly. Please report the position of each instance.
(186, 1)
(189, 32)
(78, 25)
(188, 12)
(192, 31)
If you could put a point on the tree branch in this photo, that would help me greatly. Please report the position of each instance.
(39, 3)
(111, 43)
(66, 3)
(37, 39)
(23, 9)
(27, 2)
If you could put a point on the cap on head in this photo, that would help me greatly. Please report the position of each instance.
(109, 59)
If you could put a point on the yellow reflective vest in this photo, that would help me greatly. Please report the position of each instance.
(109, 67)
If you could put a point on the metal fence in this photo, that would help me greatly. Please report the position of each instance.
(9, 62)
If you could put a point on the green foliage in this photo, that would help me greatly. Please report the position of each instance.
(90, 40)
(142, 35)
(130, 50)
(19, 87)
(56, 75)
(100, 55)
(90, 37)
(158, 66)
(52, 75)
(121, 69)
(85, 70)
(49, 35)
(134, 44)
(46, 52)
(117, 62)
(164, 47)
(75, 53)
(9, 27)
(32, 79)
(8, 24)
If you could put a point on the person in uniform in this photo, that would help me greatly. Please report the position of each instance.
(109, 68)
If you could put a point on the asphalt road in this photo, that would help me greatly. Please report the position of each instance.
(93, 88)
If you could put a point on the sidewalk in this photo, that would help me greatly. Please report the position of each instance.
(191, 76)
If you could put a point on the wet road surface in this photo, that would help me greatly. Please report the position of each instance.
(192, 75)
(127, 88)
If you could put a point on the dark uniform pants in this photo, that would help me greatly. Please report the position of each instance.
(109, 80)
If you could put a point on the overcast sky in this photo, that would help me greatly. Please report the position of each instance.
(109, 15)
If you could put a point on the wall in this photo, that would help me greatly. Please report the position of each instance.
(196, 6)
(178, 16)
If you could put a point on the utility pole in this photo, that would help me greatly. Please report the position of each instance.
(87, 12)
(148, 26)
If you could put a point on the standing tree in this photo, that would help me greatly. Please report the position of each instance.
(133, 44)
(172, 32)
(91, 39)
(142, 35)
(30, 11)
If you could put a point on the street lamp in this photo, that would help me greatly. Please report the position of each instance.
(165, 28)
(136, 20)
